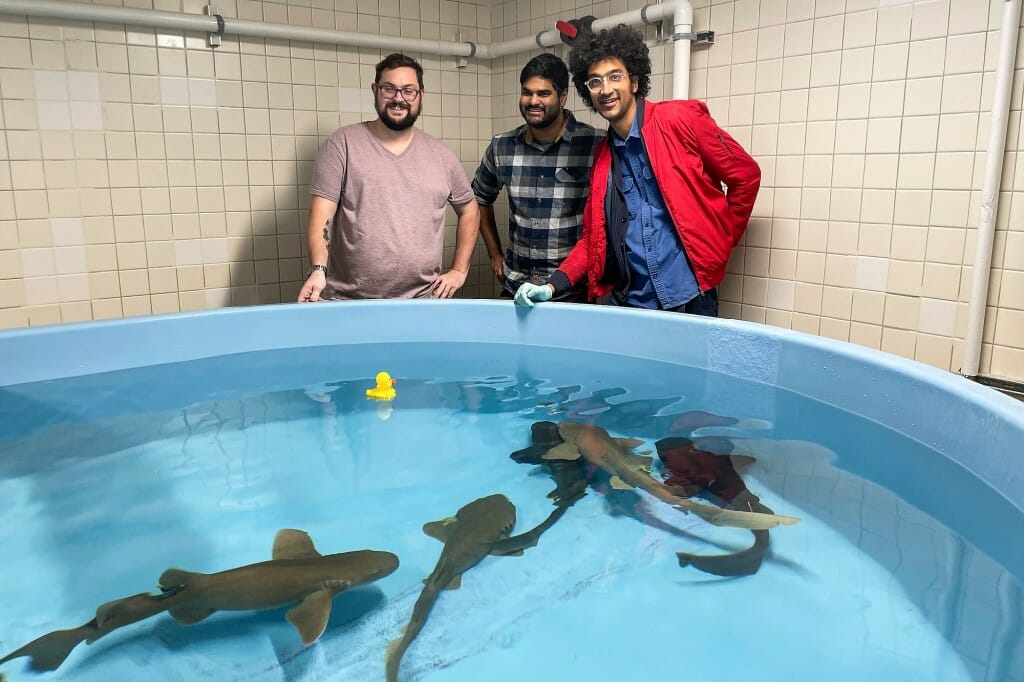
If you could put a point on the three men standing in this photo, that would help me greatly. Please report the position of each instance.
(650, 225)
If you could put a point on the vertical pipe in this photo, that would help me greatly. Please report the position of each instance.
(990, 189)
(682, 22)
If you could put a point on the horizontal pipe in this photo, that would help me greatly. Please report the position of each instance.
(76, 11)
(258, 29)
(650, 14)
(177, 21)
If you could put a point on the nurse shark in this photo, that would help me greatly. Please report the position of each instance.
(630, 470)
(478, 529)
(297, 574)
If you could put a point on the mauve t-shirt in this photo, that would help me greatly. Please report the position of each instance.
(388, 235)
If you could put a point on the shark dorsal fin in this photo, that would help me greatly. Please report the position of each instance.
(628, 443)
(741, 462)
(175, 577)
(310, 615)
(293, 544)
(566, 451)
(638, 461)
(441, 530)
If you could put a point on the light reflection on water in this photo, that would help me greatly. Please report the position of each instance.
(112, 478)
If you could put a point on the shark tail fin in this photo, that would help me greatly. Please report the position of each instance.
(746, 562)
(393, 657)
(50, 650)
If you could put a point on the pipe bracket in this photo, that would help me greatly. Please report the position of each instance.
(214, 38)
(701, 37)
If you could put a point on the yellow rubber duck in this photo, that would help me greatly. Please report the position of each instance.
(385, 389)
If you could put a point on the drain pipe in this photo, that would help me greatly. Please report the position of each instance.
(994, 156)
(679, 11)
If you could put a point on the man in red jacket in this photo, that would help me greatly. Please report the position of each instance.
(657, 227)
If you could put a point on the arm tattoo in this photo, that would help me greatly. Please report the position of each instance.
(327, 226)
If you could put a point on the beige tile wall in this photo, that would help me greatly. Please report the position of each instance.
(143, 172)
(870, 122)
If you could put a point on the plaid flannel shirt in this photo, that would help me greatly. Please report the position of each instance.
(547, 189)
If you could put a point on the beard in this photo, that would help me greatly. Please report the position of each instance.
(401, 124)
(549, 117)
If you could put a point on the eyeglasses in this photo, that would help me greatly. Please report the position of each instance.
(614, 78)
(389, 91)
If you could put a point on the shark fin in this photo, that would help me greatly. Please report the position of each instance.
(501, 552)
(644, 462)
(455, 583)
(294, 544)
(628, 443)
(50, 650)
(441, 530)
(106, 611)
(566, 451)
(741, 462)
(174, 577)
(187, 615)
(310, 615)
(619, 484)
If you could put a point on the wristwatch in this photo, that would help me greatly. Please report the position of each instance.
(316, 266)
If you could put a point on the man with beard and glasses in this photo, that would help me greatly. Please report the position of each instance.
(380, 188)
(658, 227)
(544, 165)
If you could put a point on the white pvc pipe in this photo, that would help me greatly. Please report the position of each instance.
(58, 9)
(76, 11)
(680, 10)
(994, 155)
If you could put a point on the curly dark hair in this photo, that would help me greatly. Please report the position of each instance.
(397, 60)
(620, 42)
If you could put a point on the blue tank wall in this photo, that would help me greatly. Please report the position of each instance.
(974, 425)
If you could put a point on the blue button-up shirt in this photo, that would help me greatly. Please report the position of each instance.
(661, 275)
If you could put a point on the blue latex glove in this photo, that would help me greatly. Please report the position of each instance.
(528, 294)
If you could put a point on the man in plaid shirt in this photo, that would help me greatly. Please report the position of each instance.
(545, 166)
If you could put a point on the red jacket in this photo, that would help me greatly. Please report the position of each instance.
(691, 157)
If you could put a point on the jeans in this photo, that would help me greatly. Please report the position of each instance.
(702, 304)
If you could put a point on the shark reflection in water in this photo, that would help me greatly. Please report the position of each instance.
(478, 529)
(298, 574)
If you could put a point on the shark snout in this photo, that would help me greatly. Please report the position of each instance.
(382, 563)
